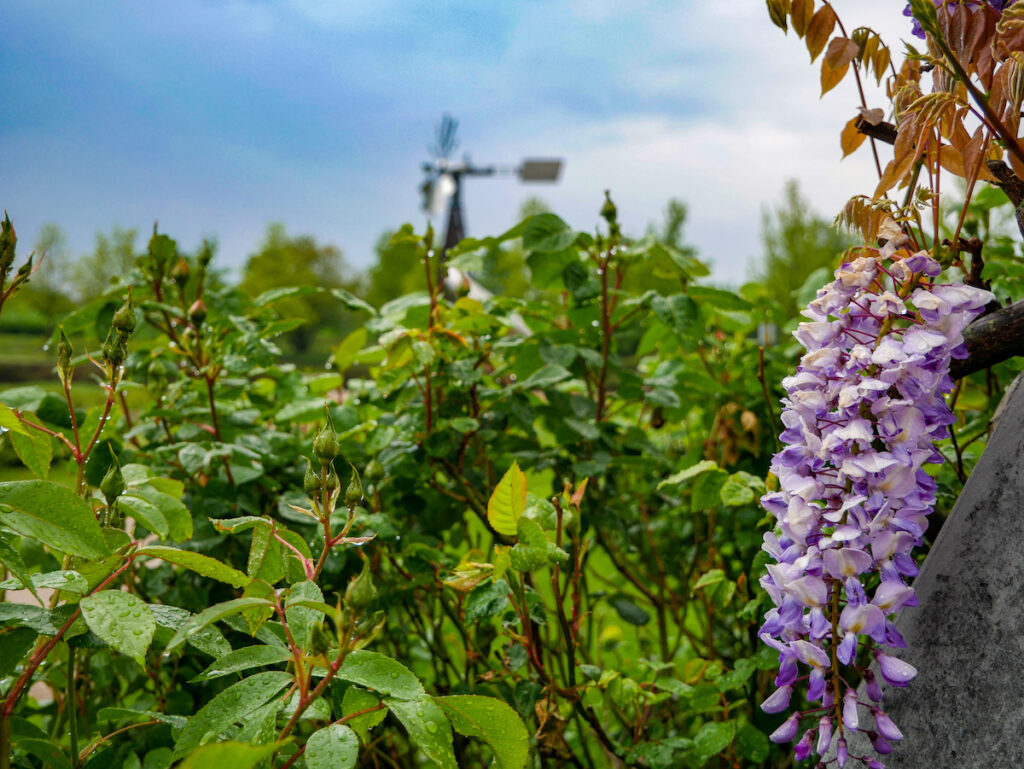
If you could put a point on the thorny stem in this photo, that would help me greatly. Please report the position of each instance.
(606, 337)
(37, 659)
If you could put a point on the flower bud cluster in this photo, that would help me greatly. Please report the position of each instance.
(861, 417)
(115, 347)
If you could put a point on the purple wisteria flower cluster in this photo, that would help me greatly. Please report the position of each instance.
(862, 415)
(999, 5)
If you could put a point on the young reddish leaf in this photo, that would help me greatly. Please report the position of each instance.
(819, 30)
(880, 61)
(850, 139)
(801, 14)
(831, 76)
(840, 51)
(777, 10)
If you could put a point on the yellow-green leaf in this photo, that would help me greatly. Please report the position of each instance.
(507, 503)
(492, 721)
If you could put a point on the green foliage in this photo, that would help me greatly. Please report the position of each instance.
(513, 533)
(284, 261)
(797, 242)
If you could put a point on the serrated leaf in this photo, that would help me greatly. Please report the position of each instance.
(174, 513)
(486, 600)
(256, 617)
(428, 728)
(333, 747)
(507, 503)
(713, 738)
(231, 705)
(301, 619)
(10, 556)
(346, 352)
(244, 659)
(122, 620)
(229, 755)
(71, 581)
(214, 613)
(35, 451)
(208, 640)
(127, 714)
(199, 563)
(735, 492)
(145, 512)
(543, 377)
(712, 577)
(492, 721)
(357, 699)
(353, 302)
(381, 674)
(54, 515)
(705, 465)
(9, 421)
(752, 743)
(534, 550)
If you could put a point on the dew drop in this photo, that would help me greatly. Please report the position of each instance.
(431, 727)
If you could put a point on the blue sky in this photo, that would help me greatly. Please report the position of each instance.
(216, 117)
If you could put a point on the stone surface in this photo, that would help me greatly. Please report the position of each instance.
(965, 709)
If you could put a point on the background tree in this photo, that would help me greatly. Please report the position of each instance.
(285, 260)
(660, 271)
(797, 242)
(47, 292)
(113, 257)
(397, 271)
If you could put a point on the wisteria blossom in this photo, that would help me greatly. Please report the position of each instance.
(862, 415)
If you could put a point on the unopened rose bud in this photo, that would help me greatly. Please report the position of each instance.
(354, 492)
(8, 241)
(112, 486)
(124, 319)
(197, 313)
(115, 349)
(180, 273)
(205, 255)
(333, 482)
(312, 483)
(325, 444)
(610, 214)
(319, 641)
(374, 471)
(361, 591)
(64, 353)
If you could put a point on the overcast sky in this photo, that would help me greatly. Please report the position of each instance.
(216, 117)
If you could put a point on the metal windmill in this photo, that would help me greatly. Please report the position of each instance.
(443, 183)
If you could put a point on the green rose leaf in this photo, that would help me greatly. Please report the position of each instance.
(122, 620)
(492, 721)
